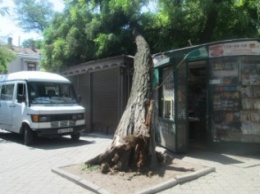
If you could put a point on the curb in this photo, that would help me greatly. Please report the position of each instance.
(157, 188)
(178, 180)
(79, 181)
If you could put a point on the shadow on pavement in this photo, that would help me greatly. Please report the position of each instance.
(7, 137)
(205, 155)
(224, 153)
(240, 149)
(97, 135)
(59, 143)
(44, 143)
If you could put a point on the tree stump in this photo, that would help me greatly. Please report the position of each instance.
(133, 145)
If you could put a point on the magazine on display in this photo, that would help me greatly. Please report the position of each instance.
(235, 91)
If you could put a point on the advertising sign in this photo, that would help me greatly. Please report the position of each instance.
(235, 48)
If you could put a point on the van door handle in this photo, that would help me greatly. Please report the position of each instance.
(12, 106)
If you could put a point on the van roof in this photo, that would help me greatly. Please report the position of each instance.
(33, 76)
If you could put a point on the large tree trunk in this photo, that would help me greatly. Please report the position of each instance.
(211, 22)
(133, 145)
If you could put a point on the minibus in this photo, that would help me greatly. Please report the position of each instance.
(34, 103)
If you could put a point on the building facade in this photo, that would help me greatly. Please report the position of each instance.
(104, 86)
(28, 59)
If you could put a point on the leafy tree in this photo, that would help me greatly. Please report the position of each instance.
(34, 15)
(66, 41)
(27, 43)
(6, 56)
(204, 21)
(3, 10)
(225, 19)
(89, 29)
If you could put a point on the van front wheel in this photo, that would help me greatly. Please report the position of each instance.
(28, 135)
(75, 136)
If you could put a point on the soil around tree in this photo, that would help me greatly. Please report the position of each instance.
(133, 182)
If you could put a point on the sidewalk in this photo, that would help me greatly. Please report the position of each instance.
(28, 169)
(234, 174)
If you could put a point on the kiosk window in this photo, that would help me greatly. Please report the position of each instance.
(167, 93)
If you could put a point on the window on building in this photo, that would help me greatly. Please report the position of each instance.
(31, 66)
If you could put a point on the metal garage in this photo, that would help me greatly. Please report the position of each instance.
(104, 86)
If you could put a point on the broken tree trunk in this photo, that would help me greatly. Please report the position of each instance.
(133, 145)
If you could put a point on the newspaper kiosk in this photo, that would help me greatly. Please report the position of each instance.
(209, 93)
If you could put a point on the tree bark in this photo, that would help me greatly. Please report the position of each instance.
(211, 22)
(133, 145)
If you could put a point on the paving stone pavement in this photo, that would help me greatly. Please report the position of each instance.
(27, 170)
(235, 174)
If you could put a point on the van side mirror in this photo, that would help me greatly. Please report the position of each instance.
(20, 98)
(79, 99)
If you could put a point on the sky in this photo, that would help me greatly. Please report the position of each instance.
(8, 26)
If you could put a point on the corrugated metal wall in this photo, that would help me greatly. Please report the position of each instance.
(105, 100)
(81, 84)
(104, 87)
(84, 92)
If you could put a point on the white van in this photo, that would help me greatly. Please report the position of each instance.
(36, 103)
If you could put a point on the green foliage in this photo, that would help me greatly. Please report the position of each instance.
(3, 10)
(204, 21)
(27, 43)
(6, 56)
(34, 15)
(92, 29)
(88, 167)
(236, 19)
(65, 41)
(85, 35)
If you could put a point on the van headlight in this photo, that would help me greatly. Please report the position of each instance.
(39, 118)
(78, 116)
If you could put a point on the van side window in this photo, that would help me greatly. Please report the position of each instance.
(21, 92)
(7, 92)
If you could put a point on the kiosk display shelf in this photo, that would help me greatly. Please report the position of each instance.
(250, 95)
(236, 98)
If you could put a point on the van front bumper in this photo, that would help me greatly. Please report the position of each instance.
(60, 131)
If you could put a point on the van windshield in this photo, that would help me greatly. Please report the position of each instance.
(51, 93)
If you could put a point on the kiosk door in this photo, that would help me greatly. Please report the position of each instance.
(166, 130)
(172, 130)
(181, 104)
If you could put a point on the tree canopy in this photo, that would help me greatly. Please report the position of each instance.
(3, 9)
(89, 29)
(33, 15)
(6, 56)
(28, 42)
